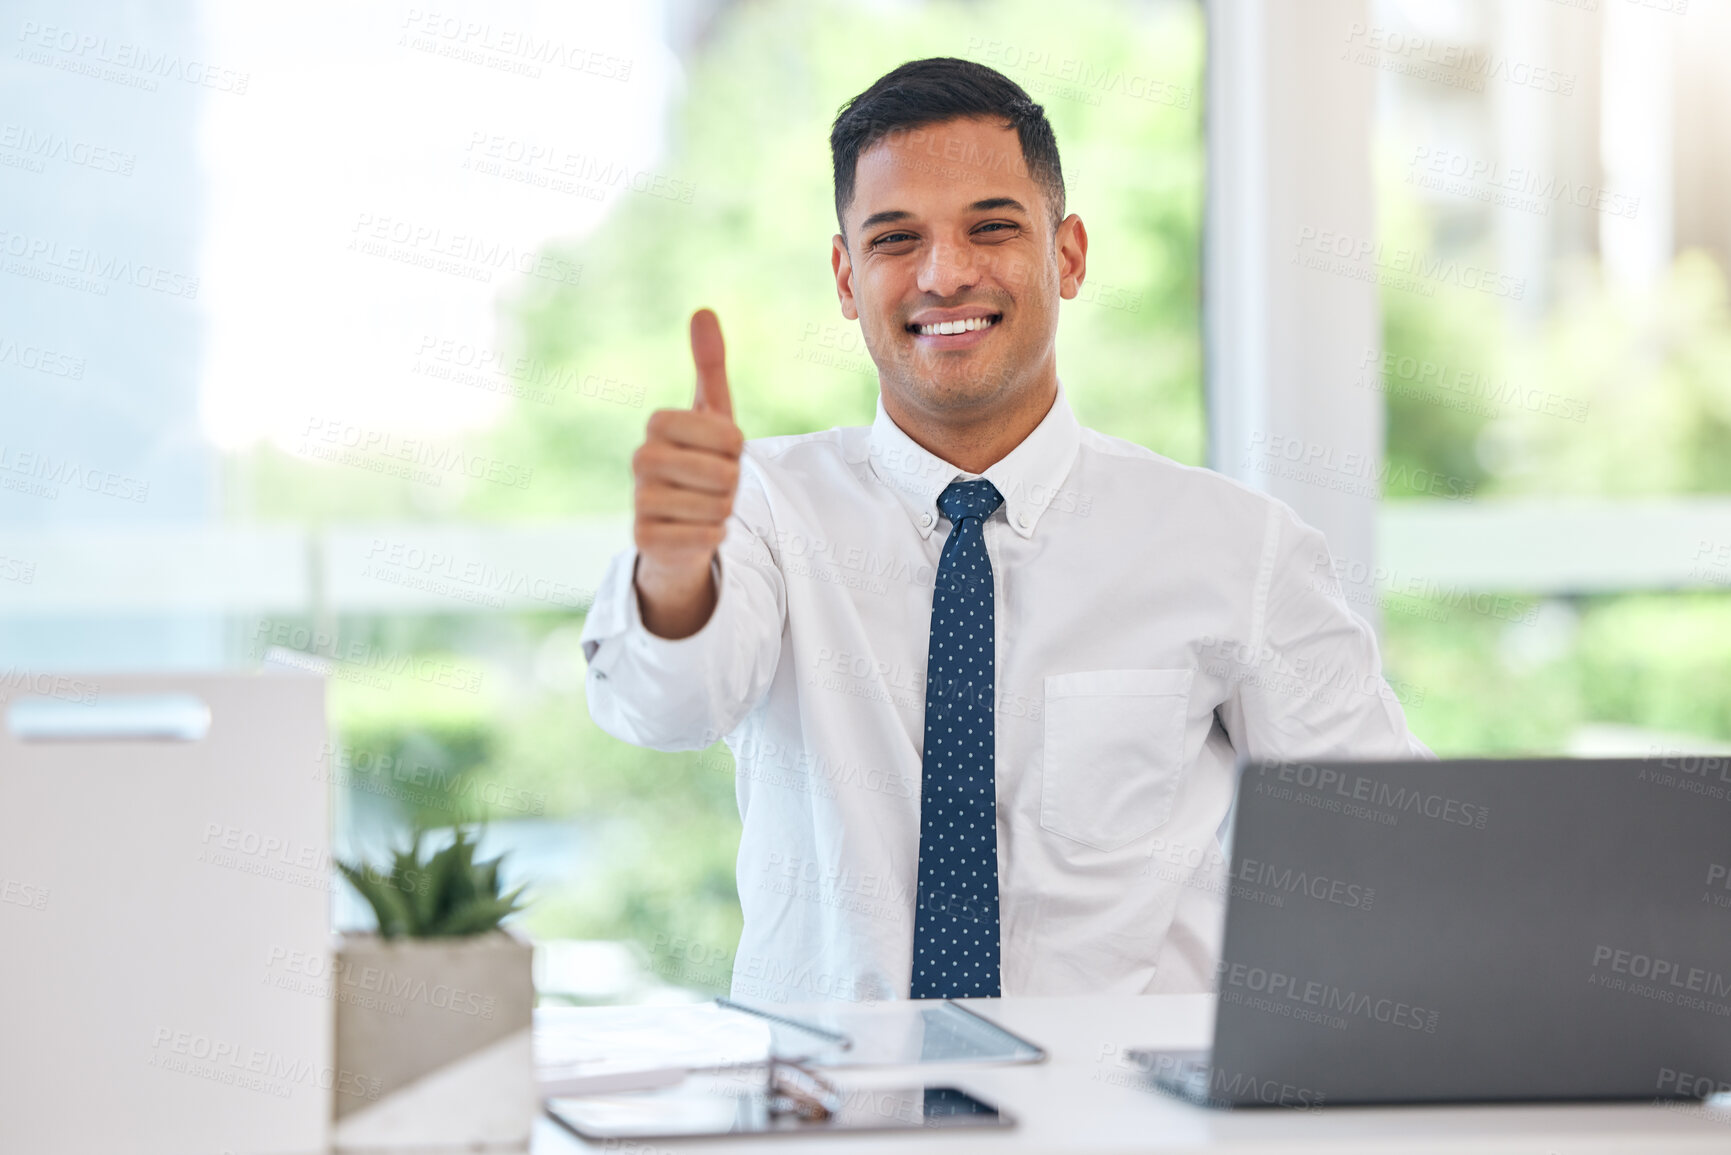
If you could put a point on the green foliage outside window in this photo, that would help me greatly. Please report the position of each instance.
(749, 133)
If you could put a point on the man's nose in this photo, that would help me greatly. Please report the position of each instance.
(949, 267)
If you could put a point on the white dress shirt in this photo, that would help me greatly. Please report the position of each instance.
(1153, 621)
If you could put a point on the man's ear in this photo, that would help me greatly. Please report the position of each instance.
(1071, 245)
(843, 266)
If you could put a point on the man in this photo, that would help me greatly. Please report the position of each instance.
(985, 673)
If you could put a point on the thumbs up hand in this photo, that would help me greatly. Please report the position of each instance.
(686, 472)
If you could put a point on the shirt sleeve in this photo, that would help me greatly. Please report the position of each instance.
(1308, 683)
(685, 693)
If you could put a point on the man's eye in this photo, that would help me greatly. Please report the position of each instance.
(892, 239)
(995, 225)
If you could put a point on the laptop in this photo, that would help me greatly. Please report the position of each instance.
(1470, 931)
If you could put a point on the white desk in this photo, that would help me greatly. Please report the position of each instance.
(1082, 1099)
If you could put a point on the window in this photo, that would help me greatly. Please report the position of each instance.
(332, 353)
(1552, 261)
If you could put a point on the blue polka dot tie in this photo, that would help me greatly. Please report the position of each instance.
(956, 915)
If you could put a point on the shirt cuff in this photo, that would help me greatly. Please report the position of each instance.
(614, 623)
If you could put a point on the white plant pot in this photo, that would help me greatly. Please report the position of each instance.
(433, 1042)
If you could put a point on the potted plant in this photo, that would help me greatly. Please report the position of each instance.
(433, 1011)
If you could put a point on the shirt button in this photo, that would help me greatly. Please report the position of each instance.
(1022, 520)
(925, 519)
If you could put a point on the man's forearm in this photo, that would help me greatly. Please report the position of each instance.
(674, 606)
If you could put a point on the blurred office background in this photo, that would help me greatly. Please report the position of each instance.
(326, 338)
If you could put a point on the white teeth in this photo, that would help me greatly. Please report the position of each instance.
(945, 328)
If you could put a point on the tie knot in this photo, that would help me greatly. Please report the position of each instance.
(977, 498)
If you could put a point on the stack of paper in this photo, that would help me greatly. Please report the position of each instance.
(594, 1050)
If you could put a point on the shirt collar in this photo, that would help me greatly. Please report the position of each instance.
(1029, 476)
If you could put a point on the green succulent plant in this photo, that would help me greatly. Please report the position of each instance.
(448, 895)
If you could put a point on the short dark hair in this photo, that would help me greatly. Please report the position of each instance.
(930, 91)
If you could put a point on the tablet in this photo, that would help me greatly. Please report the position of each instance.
(709, 1106)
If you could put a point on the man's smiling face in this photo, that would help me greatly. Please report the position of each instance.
(952, 267)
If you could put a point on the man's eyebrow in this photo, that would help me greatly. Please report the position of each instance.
(889, 216)
(884, 218)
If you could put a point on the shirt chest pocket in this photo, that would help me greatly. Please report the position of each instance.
(1114, 753)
